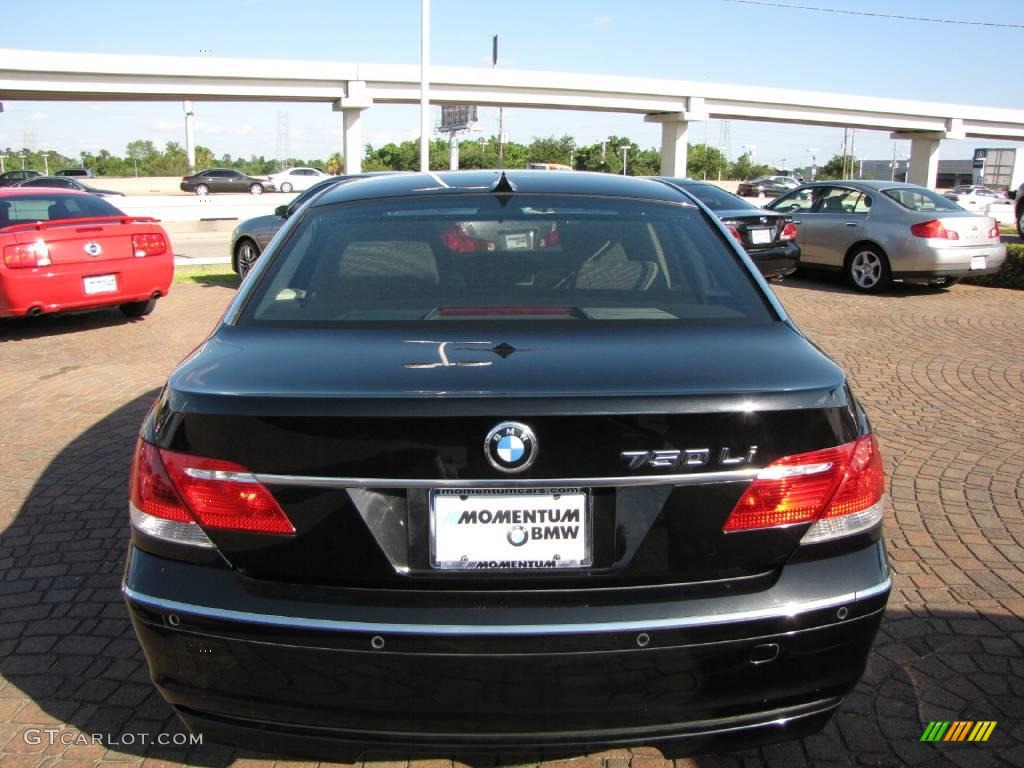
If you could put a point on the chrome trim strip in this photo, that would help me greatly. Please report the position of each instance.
(703, 478)
(782, 611)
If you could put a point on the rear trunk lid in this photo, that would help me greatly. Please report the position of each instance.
(656, 433)
(74, 241)
(971, 229)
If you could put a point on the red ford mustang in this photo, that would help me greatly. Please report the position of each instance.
(65, 250)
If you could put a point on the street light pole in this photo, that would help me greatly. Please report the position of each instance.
(46, 163)
(625, 153)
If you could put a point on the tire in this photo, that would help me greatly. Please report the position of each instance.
(246, 254)
(867, 269)
(138, 308)
(1020, 221)
(286, 187)
(255, 189)
(202, 190)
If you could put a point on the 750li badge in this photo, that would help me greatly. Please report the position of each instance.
(693, 457)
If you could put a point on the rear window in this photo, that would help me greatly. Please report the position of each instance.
(921, 200)
(718, 199)
(475, 258)
(28, 209)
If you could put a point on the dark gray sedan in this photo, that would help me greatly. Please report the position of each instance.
(66, 182)
(252, 236)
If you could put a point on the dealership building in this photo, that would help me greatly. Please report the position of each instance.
(999, 169)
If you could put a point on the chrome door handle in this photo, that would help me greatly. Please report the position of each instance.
(852, 223)
(797, 221)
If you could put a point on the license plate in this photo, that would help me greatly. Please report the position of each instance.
(977, 262)
(760, 236)
(99, 284)
(510, 529)
(519, 241)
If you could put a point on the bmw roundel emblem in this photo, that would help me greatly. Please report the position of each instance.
(511, 446)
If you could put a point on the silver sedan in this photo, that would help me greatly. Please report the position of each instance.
(879, 231)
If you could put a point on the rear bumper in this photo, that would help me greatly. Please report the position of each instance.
(293, 669)
(779, 261)
(930, 263)
(60, 287)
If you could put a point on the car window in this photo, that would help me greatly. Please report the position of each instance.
(481, 258)
(717, 199)
(920, 199)
(798, 200)
(28, 209)
(841, 200)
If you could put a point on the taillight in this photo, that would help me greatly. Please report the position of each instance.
(789, 231)
(994, 232)
(933, 229)
(455, 239)
(150, 244)
(734, 232)
(838, 489)
(24, 255)
(551, 240)
(212, 492)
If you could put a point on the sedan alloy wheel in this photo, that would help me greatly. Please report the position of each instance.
(246, 259)
(868, 270)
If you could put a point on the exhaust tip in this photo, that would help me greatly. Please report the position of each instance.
(34, 312)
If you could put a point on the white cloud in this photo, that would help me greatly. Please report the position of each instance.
(39, 117)
(601, 21)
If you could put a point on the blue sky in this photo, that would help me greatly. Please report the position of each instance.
(707, 40)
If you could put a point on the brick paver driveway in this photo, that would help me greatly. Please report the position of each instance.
(941, 373)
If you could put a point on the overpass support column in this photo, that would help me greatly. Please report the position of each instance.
(924, 154)
(674, 131)
(190, 135)
(351, 107)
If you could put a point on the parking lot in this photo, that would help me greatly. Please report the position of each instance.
(941, 374)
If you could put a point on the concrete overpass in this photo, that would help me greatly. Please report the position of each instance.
(352, 88)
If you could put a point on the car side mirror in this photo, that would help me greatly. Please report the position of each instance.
(281, 211)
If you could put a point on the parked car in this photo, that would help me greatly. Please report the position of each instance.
(790, 175)
(83, 172)
(13, 177)
(66, 250)
(542, 495)
(64, 182)
(223, 180)
(879, 231)
(977, 198)
(766, 186)
(253, 235)
(1018, 209)
(769, 239)
(296, 179)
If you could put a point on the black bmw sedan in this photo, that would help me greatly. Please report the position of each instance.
(505, 461)
(769, 238)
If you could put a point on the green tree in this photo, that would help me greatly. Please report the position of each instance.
(705, 162)
(833, 169)
(551, 150)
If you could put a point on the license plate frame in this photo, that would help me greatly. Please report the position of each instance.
(489, 544)
(97, 284)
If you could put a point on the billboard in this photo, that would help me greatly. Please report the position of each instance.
(457, 117)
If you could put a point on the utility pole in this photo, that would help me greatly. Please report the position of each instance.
(845, 140)
(853, 137)
(501, 110)
(46, 163)
(2, 158)
(424, 86)
(625, 152)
